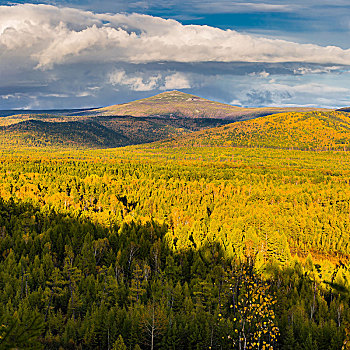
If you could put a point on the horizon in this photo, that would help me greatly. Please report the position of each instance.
(77, 55)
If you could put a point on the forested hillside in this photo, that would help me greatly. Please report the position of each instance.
(97, 132)
(184, 248)
(306, 131)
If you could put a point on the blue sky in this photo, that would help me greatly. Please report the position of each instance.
(73, 54)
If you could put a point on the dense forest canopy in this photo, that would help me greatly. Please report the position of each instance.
(184, 248)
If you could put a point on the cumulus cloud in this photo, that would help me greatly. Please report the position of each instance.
(262, 74)
(50, 36)
(318, 70)
(176, 81)
(54, 56)
(135, 83)
(145, 82)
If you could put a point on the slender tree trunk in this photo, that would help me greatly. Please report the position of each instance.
(152, 334)
(22, 284)
(26, 277)
(71, 294)
(48, 307)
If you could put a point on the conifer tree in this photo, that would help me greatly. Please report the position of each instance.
(119, 344)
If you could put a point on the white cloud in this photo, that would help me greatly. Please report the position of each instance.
(84, 94)
(56, 95)
(86, 59)
(236, 102)
(135, 83)
(176, 81)
(319, 70)
(8, 96)
(144, 82)
(262, 74)
(235, 7)
(50, 35)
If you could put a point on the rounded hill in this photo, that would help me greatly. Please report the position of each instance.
(306, 131)
(177, 104)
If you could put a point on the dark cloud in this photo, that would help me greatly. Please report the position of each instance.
(261, 98)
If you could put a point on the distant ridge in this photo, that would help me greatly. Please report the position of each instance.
(344, 109)
(9, 112)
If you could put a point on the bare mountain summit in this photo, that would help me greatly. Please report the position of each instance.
(176, 104)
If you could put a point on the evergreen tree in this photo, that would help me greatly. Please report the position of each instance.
(119, 344)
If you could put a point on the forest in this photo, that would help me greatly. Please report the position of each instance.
(158, 247)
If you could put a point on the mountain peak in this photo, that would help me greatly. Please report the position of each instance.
(174, 96)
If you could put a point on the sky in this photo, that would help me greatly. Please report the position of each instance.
(89, 53)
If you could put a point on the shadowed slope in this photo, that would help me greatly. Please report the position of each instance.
(96, 132)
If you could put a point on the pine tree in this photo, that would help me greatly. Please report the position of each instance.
(21, 331)
(119, 344)
(137, 287)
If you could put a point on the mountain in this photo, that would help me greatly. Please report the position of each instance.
(167, 115)
(344, 109)
(176, 104)
(306, 131)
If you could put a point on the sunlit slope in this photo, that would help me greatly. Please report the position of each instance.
(179, 104)
(311, 130)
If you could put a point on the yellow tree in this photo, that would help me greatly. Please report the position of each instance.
(251, 310)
